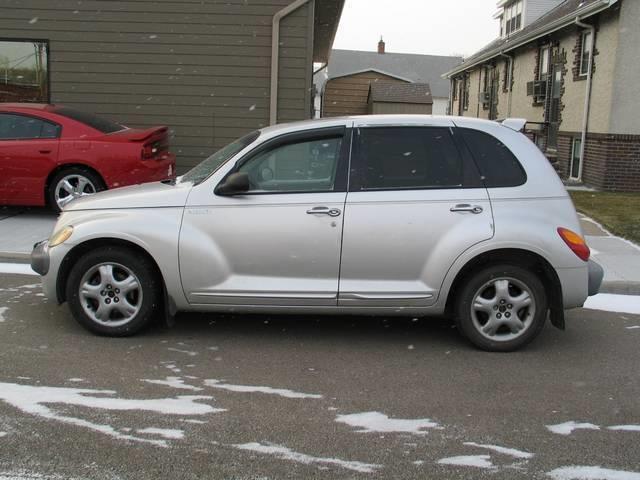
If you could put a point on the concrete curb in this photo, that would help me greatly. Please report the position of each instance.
(15, 257)
(621, 288)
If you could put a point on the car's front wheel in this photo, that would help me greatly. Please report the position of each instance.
(501, 308)
(113, 291)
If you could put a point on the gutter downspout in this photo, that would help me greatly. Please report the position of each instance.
(275, 56)
(510, 80)
(587, 93)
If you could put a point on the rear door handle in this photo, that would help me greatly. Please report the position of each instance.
(332, 212)
(465, 207)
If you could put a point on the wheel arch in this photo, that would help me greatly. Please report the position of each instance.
(76, 252)
(64, 166)
(515, 256)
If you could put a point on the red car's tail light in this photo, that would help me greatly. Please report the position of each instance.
(149, 150)
(575, 242)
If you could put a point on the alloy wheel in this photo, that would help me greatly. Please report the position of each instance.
(71, 187)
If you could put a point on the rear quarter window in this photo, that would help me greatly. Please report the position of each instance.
(98, 123)
(497, 164)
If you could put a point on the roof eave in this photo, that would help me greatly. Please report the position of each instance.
(556, 25)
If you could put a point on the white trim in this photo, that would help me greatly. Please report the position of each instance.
(364, 70)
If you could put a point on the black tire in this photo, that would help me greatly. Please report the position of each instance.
(480, 284)
(96, 182)
(147, 298)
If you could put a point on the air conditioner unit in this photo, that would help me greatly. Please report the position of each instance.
(537, 89)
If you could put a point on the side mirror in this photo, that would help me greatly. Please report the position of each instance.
(234, 184)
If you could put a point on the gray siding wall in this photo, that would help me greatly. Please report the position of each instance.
(200, 67)
(534, 9)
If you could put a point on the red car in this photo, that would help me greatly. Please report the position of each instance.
(51, 154)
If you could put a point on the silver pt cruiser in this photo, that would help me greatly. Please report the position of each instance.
(380, 215)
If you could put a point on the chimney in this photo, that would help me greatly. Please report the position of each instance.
(381, 45)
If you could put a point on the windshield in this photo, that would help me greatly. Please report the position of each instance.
(101, 124)
(201, 171)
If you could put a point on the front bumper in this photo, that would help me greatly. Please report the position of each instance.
(596, 274)
(40, 258)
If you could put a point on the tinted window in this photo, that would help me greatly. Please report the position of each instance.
(19, 127)
(497, 165)
(101, 124)
(307, 166)
(407, 158)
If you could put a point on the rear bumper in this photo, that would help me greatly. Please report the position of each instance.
(144, 171)
(596, 274)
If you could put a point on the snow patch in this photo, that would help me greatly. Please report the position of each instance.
(75, 380)
(16, 268)
(633, 327)
(2, 310)
(285, 453)
(479, 461)
(282, 392)
(567, 428)
(504, 450)
(173, 382)
(591, 473)
(611, 302)
(3, 434)
(625, 428)
(381, 423)
(169, 433)
(35, 400)
(186, 352)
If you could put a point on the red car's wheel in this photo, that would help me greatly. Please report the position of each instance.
(72, 183)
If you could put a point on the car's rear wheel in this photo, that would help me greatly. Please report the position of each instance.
(501, 308)
(113, 291)
(72, 183)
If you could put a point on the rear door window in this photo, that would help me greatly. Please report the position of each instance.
(406, 158)
(24, 127)
(497, 164)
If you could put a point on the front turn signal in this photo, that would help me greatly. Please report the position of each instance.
(60, 236)
(575, 242)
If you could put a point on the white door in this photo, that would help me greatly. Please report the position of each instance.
(279, 242)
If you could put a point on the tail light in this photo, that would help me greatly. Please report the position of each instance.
(149, 150)
(575, 242)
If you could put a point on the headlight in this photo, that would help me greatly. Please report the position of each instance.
(60, 236)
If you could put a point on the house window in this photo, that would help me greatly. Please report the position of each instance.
(543, 68)
(587, 41)
(455, 89)
(23, 71)
(511, 18)
(465, 92)
(575, 159)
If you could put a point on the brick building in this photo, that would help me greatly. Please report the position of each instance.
(571, 69)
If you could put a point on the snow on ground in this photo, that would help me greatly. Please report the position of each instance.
(169, 433)
(567, 428)
(186, 352)
(591, 473)
(282, 392)
(479, 461)
(2, 312)
(379, 422)
(16, 268)
(285, 453)
(625, 428)
(3, 434)
(24, 475)
(174, 382)
(504, 450)
(36, 400)
(610, 302)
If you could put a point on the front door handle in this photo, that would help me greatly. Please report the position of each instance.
(332, 212)
(45, 151)
(465, 207)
